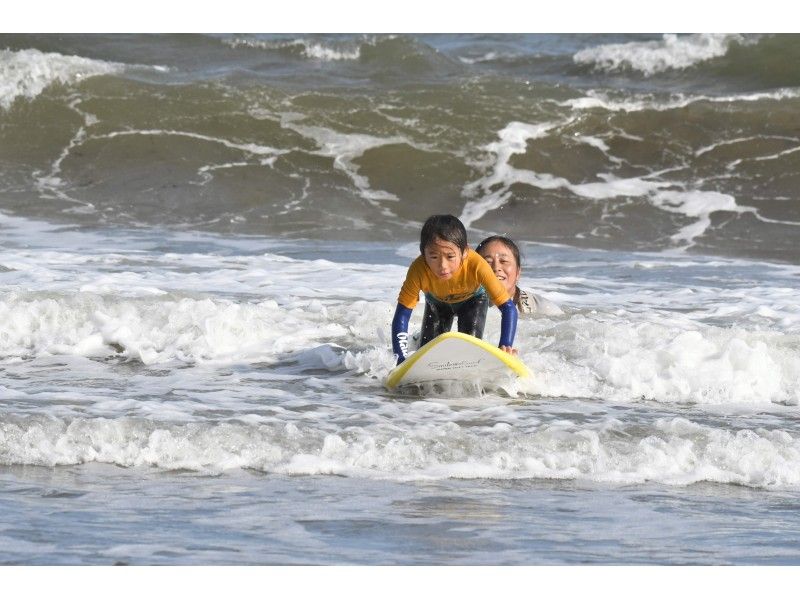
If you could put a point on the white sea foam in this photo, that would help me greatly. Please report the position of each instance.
(235, 357)
(794, 141)
(513, 139)
(345, 148)
(27, 73)
(321, 52)
(665, 361)
(652, 57)
(494, 189)
(488, 57)
(662, 343)
(311, 49)
(673, 450)
(139, 308)
(50, 184)
(633, 102)
(699, 205)
(250, 148)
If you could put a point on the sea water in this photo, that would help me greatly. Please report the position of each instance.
(201, 243)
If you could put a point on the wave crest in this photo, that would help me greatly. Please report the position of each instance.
(27, 73)
(672, 451)
(307, 48)
(672, 52)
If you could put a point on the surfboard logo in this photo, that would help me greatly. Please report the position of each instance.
(444, 366)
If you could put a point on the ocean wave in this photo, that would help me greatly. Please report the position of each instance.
(490, 57)
(673, 450)
(159, 329)
(624, 359)
(383, 56)
(345, 149)
(494, 189)
(326, 51)
(666, 361)
(27, 73)
(672, 52)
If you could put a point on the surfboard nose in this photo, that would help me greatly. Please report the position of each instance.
(455, 356)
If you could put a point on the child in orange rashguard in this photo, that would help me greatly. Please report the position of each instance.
(457, 283)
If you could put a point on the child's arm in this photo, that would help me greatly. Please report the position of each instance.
(409, 295)
(508, 325)
(400, 332)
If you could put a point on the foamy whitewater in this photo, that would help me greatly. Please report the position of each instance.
(195, 309)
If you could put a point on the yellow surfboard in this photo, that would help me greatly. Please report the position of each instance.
(455, 356)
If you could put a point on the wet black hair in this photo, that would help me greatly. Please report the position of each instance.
(447, 228)
(505, 241)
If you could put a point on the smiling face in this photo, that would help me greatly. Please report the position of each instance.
(503, 263)
(443, 258)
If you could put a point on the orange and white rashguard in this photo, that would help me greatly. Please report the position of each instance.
(473, 274)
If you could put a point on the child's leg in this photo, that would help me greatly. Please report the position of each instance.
(472, 315)
(437, 319)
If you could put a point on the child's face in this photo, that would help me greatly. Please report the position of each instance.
(503, 264)
(443, 258)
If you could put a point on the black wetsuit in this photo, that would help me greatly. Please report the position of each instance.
(438, 316)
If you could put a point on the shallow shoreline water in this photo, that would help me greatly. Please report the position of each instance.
(659, 426)
(85, 515)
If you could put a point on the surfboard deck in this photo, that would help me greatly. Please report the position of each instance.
(455, 356)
